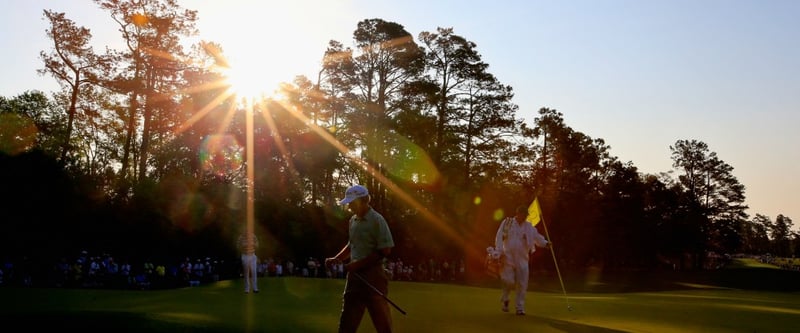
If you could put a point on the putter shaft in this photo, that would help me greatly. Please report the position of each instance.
(378, 292)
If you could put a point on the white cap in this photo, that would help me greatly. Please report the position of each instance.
(352, 193)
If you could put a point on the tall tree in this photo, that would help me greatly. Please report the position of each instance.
(451, 61)
(715, 195)
(202, 145)
(72, 62)
(569, 178)
(315, 156)
(781, 233)
(664, 211)
(474, 115)
(755, 235)
(385, 60)
(466, 119)
(151, 30)
(94, 142)
(624, 219)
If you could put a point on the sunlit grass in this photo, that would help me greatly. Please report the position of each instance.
(312, 305)
(749, 263)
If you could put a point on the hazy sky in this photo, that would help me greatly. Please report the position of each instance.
(640, 74)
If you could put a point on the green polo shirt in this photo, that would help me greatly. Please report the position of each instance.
(368, 234)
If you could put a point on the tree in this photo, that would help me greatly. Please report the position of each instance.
(781, 233)
(568, 180)
(662, 211)
(465, 118)
(452, 61)
(425, 122)
(371, 80)
(151, 30)
(315, 156)
(30, 121)
(714, 195)
(624, 220)
(755, 235)
(206, 110)
(17, 133)
(73, 63)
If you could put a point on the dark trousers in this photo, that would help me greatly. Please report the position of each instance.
(359, 297)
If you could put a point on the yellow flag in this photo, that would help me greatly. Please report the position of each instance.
(534, 212)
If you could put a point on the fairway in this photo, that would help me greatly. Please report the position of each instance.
(293, 304)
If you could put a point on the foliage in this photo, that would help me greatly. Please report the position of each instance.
(150, 157)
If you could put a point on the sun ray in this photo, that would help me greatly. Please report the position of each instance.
(201, 113)
(226, 121)
(428, 215)
(247, 78)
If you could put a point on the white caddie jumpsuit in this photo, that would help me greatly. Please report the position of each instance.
(516, 241)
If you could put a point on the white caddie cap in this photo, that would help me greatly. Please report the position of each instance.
(352, 193)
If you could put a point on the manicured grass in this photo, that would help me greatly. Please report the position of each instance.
(749, 263)
(292, 304)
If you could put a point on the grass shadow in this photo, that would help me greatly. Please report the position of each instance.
(573, 327)
(735, 276)
(99, 321)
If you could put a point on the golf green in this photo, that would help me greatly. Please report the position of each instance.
(293, 304)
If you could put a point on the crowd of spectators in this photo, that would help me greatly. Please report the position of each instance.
(792, 264)
(425, 270)
(103, 270)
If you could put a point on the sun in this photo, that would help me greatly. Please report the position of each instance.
(250, 79)
(266, 43)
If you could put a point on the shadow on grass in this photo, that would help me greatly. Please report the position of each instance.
(572, 327)
(98, 322)
(753, 278)
(129, 322)
(735, 276)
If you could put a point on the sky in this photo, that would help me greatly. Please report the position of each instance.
(639, 74)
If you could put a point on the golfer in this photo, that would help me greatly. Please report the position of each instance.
(247, 244)
(516, 239)
(370, 240)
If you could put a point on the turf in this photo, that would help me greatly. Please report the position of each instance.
(689, 303)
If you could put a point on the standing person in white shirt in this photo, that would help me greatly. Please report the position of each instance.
(247, 244)
(517, 239)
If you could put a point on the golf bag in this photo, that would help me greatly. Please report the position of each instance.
(493, 263)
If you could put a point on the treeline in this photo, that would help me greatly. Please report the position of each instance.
(144, 151)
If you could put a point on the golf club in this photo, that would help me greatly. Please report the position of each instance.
(378, 292)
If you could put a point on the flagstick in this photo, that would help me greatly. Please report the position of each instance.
(553, 252)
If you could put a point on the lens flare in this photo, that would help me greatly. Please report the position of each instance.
(498, 214)
(406, 161)
(17, 133)
(221, 155)
(187, 209)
